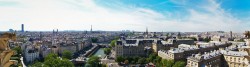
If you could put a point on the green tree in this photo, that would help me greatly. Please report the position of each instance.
(18, 50)
(52, 60)
(158, 59)
(112, 44)
(194, 38)
(107, 51)
(119, 59)
(94, 40)
(51, 56)
(93, 62)
(126, 62)
(167, 63)
(67, 54)
(37, 64)
(179, 64)
(141, 61)
(152, 56)
(104, 65)
(206, 39)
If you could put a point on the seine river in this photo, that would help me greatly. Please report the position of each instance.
(100, 53)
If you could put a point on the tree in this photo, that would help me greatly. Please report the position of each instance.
(94, 40)
(93, 62)
(18, 50)
(52, 60)
(37, 64)
(107, 51)
(119, 59)
(179, 64)
(141, 61)
(206, 39)
(67, 54)
(112, 44)
(152, 56)
(126, 61)
(167, 63)
(51, 56)
(193, 38)
(158, 59)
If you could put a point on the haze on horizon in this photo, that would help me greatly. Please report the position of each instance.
(116, 15)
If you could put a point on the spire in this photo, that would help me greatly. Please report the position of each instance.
(231, 34)
(91, 29)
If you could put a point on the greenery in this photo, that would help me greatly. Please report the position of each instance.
(119, 59)
(112, 44)
(193, 38)
(179, 64)
(52, 60)
(93, 62)
(67, 54)
(107, 51)
(94, 40)
(206, 39)
(167, 63)
(158, 61)
(241, 40)
(141, 61)
(18, 50)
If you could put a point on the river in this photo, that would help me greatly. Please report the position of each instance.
(100, 53)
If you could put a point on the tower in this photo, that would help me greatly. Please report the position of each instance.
(146, 30)
(179, 35)
(22, 26)
(91, 29)
(231, 34)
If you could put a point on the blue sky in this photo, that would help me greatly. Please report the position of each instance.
(115, 15)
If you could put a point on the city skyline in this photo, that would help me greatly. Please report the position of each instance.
(110, 15)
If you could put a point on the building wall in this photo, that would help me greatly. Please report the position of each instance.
(235, 61)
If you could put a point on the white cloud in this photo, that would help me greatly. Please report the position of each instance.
(80, 14)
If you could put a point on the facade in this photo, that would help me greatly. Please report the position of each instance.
(178, 53)
(44, 51)
(172, 54)
(133, 47)
(211, 59)
(70, 47)
(184, 50)
(161, 45)
(31, 53)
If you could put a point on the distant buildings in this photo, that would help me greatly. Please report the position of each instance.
(232, 56)
(184, 50)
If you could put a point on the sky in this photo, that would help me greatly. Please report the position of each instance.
(116, 15)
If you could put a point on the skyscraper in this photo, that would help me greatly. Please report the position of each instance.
(22, 28)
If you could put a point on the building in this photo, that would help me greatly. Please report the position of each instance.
(31, 53)
(185, 50)
(132, 47)
(210, 59)
(161, 45)
(70, 47)
(44, 50)
(178, 53)
(172, 54)
(22, 30)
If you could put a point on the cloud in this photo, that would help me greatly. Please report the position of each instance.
(80, 14)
